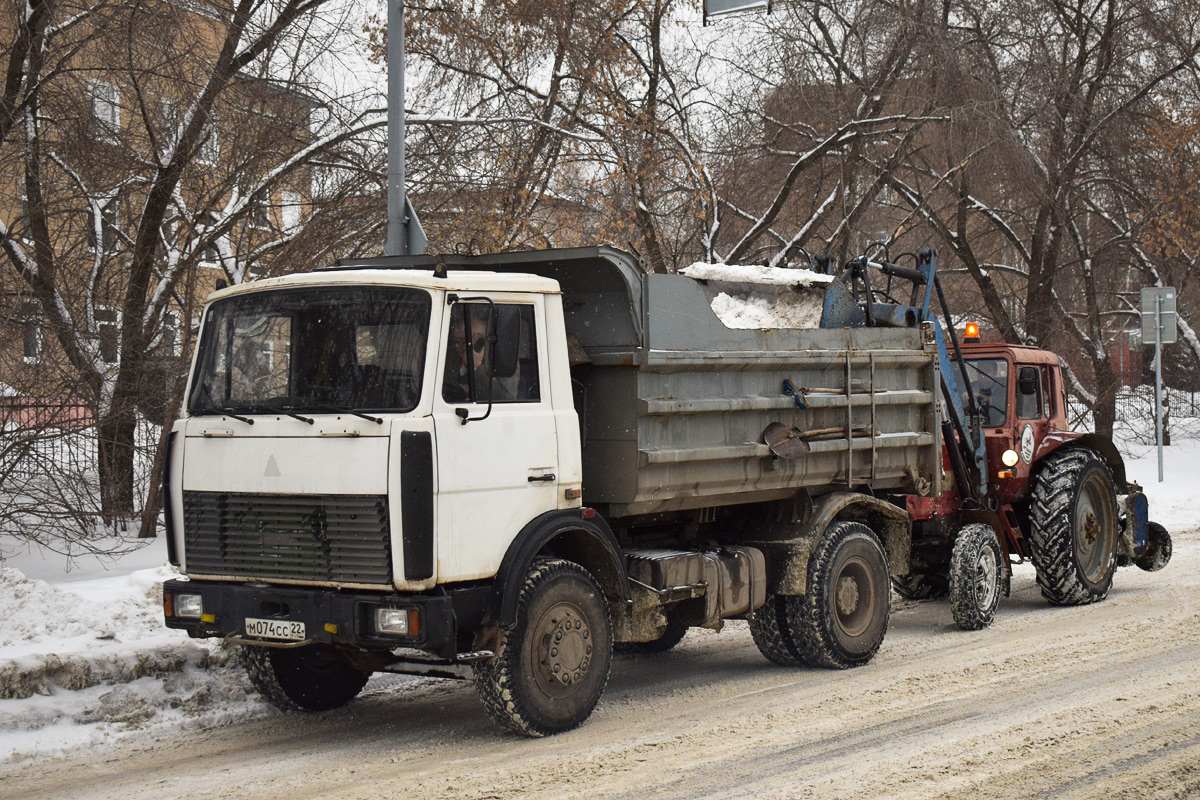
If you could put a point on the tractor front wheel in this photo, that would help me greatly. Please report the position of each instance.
(976, 577)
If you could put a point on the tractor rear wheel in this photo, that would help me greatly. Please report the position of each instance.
(1073, 527)
(976, 577)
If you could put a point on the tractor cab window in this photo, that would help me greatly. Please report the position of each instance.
(989, 387)
(1030, 393)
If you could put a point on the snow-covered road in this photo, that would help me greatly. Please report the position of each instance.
(1099, 700)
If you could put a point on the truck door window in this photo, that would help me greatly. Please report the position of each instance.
(989, 385)
(480, 345)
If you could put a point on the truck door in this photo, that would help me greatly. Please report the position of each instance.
(497, 448)
(1033, 413)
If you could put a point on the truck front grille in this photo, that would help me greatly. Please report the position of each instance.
(307, 538)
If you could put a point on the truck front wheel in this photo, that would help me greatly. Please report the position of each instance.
(841, 620)
(552, 666)
(975, 577)
(310, 678)
(1073, 528)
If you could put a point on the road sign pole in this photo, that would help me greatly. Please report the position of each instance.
(1158, 426)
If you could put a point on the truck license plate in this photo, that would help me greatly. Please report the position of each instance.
(275, 629)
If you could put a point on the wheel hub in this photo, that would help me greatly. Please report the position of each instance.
(565, 651)
(985, 578)
(847, 595)
(853, 600)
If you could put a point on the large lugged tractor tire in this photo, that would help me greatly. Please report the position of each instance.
(921, 586)
(1073, 528)
(672, 636)
(841, 621)
(976, 577)
(771, 632)
(310, 678)
(552, 666)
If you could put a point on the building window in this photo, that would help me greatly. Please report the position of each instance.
(290, 211)
(210, 144)
(105, 101)
(168, 123)
(108, 333)
(260, 211)
(31, 315)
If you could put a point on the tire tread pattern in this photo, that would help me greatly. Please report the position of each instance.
(964, 564)
(496, 678)
(815, 640)
(1051, 534)
(771, 633)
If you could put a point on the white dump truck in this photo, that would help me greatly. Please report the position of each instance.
(501, 466)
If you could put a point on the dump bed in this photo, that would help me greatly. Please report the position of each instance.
(673, 404)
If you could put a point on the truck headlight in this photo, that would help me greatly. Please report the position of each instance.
(189, 605)
(396, 621)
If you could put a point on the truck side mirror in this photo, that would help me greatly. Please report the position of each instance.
(506, 340)
(1027, 380)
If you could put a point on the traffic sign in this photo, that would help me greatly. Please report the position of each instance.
(1158, 300)
(721, 8)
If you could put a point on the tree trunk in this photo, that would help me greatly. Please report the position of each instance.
(1104, 412)
(115, 448)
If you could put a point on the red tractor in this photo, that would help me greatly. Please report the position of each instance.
(1021, 484)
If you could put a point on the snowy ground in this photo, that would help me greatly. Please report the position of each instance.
(85, 660)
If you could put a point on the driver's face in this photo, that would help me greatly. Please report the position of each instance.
(458, 339)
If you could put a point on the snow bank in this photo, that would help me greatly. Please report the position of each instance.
(763, 298)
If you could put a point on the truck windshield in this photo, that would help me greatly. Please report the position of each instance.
(989, 385)
(316, 350)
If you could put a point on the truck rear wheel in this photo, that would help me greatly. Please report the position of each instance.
(552, 666)
(841, 621)
(921, 586)
(771, 632)
(672, 636)
(1158, 549)
(310, 678)
(975, 577)
(1073, 528)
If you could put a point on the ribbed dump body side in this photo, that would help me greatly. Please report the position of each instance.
(341, 539)
(678, 422)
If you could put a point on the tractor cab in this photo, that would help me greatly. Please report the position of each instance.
(1021, 400)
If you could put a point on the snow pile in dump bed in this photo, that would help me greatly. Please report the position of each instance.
(753, 273)
(764, 297)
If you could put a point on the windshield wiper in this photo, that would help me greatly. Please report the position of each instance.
(227, 412)
(258, 409)
(343, 410)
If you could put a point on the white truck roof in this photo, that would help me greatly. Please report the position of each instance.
(455, 281)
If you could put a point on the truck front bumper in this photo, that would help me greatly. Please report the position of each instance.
(329, 616)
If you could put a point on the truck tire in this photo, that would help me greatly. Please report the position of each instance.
(841, 621)
(771, 632)
(552, 666)
(1073, 528)
(1158, 549)
(672, 636)
(310, 678)
(976, 577)
(921, 586)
